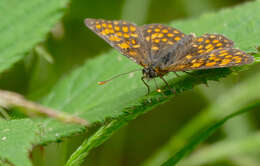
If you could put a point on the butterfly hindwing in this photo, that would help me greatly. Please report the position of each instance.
(225, 57)
(124, 36)
(209, 42)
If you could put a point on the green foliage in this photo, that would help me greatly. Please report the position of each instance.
(248, 145)
(16, 139)
(122, 100)
(203, 135)
(237, 98)
(79, 93)
(239, 24)
(23, 25)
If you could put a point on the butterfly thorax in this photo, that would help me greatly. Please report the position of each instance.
(151, 72)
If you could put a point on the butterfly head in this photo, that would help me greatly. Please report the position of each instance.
(149, 73)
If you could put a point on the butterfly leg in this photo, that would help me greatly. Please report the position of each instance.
(156, 85)
(176, 74)
(148, 87)
(188, 73)
(166, 83)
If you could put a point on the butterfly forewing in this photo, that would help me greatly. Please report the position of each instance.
(160, 38)
(124, 36)
(225, 57)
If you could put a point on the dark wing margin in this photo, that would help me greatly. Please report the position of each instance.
(124, 36)
(219, 58)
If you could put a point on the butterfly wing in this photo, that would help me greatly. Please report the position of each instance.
(161, 41)
(224, 57)
(209, 42)
(124, 36)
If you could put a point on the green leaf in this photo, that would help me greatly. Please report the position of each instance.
(16, 138)
(247, 146)
(241, 24)
(238, 97)
(78, 93)
(100, 136)
(22, 27)
(203, 135)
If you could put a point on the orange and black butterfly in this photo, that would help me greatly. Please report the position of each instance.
(161, 49)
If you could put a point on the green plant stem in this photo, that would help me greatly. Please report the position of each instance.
(12, 99)
(103, 133)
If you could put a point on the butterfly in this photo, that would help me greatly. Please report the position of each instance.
(161, 49)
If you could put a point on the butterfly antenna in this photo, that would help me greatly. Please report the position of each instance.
(116, 76)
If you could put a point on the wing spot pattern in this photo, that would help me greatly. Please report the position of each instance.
(165, 31)
(164, 39)
(123, 45)
(117, 28)
(228, 56)
(157, 30)
(219, 44)
(98, 26)
(155, 48)
(176, 31)
(200, 39)
(177, 38)
(223, 54)
(119, 34)
(157, 40)
(170, 43)
(125, 29)
(209, 64)
(189, 56)
(225, 62)
(134, 35)
(136, 46)
(132, 28)
(170, 35)
(126, 35)
(196, 65)
(114, 38)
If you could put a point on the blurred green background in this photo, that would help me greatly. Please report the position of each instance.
(70, 44)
